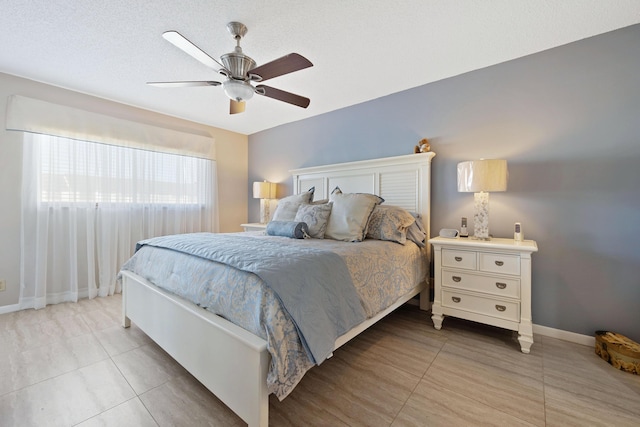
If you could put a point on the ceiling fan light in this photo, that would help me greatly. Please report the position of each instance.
(238, 90)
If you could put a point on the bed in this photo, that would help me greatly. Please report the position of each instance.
(232, 362)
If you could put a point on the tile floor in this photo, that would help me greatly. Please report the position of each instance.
(73, 365)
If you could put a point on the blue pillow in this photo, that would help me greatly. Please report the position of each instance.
(291, 229)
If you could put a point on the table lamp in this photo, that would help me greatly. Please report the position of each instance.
(481, 177)
(264, 191)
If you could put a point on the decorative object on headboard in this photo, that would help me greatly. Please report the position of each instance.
(264, 191)
(480, 177)
(422, 147)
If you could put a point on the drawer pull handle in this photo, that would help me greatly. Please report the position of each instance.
(458, 258)
(500, 307)
(501, 285)
(456, 278)
(499, 263)
(456, 299)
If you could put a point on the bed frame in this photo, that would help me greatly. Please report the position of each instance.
(232, 362)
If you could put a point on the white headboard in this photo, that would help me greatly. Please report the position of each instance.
(403, 181)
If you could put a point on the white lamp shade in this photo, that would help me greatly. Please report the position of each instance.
(482, 175)
(264, 190)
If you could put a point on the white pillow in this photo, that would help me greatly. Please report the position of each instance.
(350, 215)
(288, 206)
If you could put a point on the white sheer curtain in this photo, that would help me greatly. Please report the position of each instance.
(85, 205)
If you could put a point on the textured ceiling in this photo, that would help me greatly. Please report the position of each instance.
(361, 49)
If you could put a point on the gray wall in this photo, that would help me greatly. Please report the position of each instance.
(568, 122)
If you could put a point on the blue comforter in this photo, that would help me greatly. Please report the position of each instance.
(313, 285)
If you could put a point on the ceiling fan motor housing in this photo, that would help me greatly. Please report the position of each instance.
(238, 64)
(237, 86)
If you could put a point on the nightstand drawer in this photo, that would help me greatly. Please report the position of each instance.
(459, 259)
(507, 310)
(499, 263)
(504, 287)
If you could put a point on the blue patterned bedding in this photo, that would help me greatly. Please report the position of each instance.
(313, 285)
(380, 273)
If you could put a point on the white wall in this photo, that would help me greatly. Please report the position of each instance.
(232, 153)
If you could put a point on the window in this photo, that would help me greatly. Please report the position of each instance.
(86, 204)
(85, 172)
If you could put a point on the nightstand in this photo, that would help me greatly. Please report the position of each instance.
(486, 281)
(254, 226)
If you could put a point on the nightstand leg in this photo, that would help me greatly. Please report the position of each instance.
(437, 321)
(525, 337)
(436, 315)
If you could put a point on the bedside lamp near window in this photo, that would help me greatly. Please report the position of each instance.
(264, 191)
(481, 177)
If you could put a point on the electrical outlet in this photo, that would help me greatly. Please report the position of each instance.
(3, 285)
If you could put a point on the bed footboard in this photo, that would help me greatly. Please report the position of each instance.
(230, 361)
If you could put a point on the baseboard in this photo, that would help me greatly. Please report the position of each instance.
(9, 308)
(564, 335)
(51, 299)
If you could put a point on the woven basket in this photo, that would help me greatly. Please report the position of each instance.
(621, 352)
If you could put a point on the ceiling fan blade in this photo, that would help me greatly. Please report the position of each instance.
(184, 84)
(278, 67)
(182, 43)
(282, 95)
(236, 107)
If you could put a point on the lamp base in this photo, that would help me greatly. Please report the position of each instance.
(484, 239)
(265, 213)
(481, 216)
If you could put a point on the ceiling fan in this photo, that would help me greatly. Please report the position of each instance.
(240, 70)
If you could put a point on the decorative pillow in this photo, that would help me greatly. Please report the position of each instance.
(350, 215)
(338, 190)
(316, 217)
(291, 229)
(389, 223)
(288, 206)
(416, 232)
